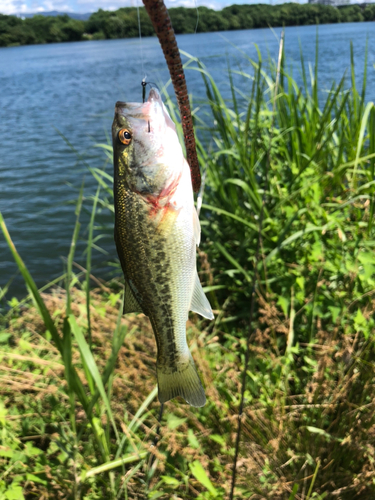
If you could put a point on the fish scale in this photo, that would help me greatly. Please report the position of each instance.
(156, 232)
(153, 280)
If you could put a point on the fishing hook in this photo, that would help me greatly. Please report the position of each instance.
(144, 85)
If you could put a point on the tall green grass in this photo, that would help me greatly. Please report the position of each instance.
(310, 158)
(290, 171)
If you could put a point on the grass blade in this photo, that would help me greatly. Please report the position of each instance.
(32, 287)
(127, 459)
(92, 367)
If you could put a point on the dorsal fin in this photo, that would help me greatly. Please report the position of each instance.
(196, 227)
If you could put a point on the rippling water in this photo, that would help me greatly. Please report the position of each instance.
(57, 100)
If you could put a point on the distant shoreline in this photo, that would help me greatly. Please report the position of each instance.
(123, 23)
(87, 40)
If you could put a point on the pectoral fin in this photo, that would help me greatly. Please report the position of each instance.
(131, 304)
(199, 302)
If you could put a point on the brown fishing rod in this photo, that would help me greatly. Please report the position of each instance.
(161, 21)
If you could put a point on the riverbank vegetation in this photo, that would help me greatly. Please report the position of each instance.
(123, 23)
(289, 200)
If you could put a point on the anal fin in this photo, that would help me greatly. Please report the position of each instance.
(199, 302)
(131, 304)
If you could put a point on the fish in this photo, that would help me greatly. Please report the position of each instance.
(156, 233)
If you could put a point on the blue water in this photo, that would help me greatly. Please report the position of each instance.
(57, 100)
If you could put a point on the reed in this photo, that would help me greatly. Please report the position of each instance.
(304, 159)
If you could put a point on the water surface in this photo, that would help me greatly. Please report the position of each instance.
(57, 100)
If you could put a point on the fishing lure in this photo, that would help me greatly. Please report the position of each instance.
(161, 22)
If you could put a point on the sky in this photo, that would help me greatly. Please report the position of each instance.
(83, 6)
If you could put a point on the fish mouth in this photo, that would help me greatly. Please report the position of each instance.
(149, 114)
(153, 96)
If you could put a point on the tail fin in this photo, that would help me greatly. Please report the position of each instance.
(184, 383)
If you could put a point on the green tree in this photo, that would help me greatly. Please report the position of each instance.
(369, 13)
(123, 23)
(183, 20)
(351, 14)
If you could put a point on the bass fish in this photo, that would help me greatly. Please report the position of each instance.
(156, 233)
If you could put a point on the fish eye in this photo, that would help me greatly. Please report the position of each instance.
(124, 136)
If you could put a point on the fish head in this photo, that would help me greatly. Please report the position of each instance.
(147, 152)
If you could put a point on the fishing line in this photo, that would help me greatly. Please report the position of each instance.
(159, 420)
(156, 439)
(141, 44)
(196, 26)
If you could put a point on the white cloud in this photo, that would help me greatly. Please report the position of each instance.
(25, 6)
(12, 6)
(94, 5)
(61, 5)
(192, 4)
(116, 4)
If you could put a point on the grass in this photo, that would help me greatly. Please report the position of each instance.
(79, 413)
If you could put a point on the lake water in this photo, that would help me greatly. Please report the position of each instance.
(50, 91)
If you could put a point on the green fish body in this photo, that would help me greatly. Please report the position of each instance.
(156, 233)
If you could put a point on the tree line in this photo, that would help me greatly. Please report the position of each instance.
(123, 23)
